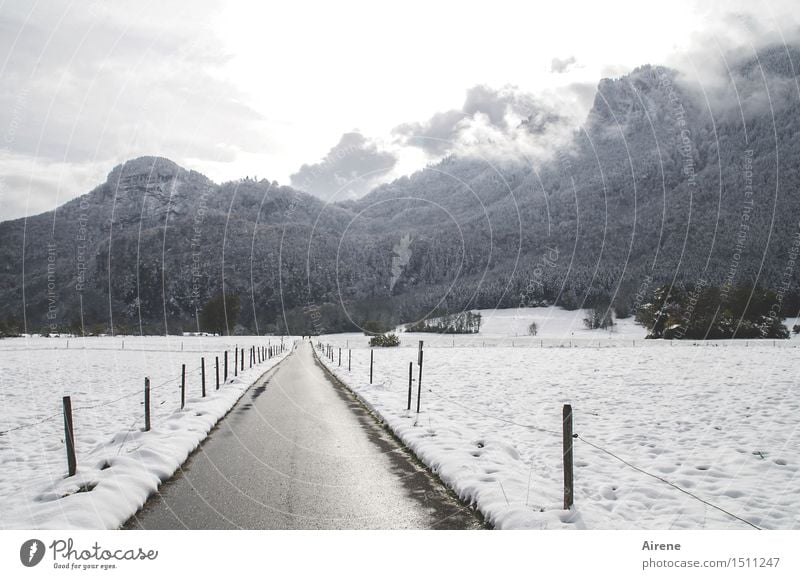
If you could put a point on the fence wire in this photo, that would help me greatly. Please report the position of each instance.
(493, 417)
(665, 481)
(597, 447)
(95, 406)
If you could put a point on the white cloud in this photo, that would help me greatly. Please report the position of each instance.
(505, 122)
(562, 65)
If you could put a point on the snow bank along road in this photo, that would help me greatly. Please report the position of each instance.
(299, 452)
(118, 464)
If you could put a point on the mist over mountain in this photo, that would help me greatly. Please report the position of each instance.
(666, 182)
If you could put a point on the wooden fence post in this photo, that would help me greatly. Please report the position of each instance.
(242, 368)
(203, 375)
(371, 357)
(236, 363)
(349, 359)
(340, 356)
(216, 369)
(569, 490)
(225, 373)
(69, 435)
(419, 380)
(410, 380)
(183, 385)
(147, 404)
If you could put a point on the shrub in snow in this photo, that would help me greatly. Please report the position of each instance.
(385, 340)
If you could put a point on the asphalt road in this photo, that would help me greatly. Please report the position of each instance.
(299, 452)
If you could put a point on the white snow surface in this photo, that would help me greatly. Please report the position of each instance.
(116, 459)
(553, 323)
(718, 419)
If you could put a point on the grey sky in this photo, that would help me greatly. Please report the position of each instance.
(232, 89)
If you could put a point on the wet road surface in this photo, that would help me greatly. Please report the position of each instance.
(299, 452)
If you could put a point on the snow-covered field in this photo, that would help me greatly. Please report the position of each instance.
(719, 420)
(119, 462)
(553, 323)
(556, 327)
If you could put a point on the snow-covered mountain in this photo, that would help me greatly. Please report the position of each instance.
(654, 188)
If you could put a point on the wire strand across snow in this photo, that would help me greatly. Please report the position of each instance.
(665, 481)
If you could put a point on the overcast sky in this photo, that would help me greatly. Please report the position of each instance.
(316, 94)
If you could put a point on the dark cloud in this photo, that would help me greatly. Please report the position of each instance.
(349, 170)
(437, 135)
(482, 99)
(562, 65)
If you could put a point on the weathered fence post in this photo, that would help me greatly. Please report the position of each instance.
(225, 373)
(147, 404)
(410, 380)
(340, 356)
(216, 369)
(242, 368)
(236, 363)
(371, 357)
(349, 359)
(569, 490)
(203, 375)
(183, 385)
(419, 380)
(69, 435)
